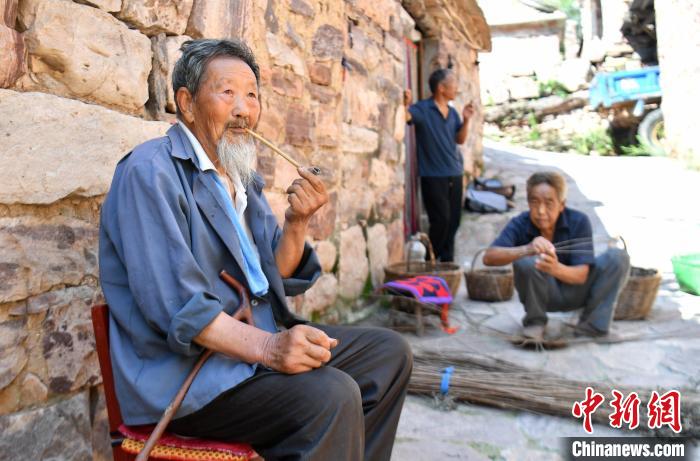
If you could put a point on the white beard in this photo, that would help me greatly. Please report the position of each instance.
(236, 158)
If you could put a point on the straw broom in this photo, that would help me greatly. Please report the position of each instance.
(484, 380)
(500, 384)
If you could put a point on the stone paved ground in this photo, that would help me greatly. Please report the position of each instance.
(649, 201)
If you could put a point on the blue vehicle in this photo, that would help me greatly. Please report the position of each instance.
(631, 98)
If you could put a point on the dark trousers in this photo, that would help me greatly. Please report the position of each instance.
(540, 292)
(346, 410)
(442, 198)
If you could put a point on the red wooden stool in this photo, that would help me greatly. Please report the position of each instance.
(127, 441)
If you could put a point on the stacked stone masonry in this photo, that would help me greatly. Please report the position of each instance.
(82, 82)
(677, 24)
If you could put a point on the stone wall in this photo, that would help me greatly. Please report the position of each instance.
(82, 82)
(677, 25)
(526, 43)
(511, 70)
(601, 21)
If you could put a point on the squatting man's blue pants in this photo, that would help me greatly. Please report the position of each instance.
(541, 293)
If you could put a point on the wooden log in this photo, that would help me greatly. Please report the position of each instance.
(518, 112)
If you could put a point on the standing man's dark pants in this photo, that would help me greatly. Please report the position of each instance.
(540, 292)
(442, 198)
(346, 410)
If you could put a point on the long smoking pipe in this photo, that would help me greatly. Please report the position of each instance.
(315, 170)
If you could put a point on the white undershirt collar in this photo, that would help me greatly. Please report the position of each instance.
(205, 164)
(240, 203)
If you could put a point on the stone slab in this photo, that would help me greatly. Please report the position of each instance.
(358, 140)
(111, 6)
(12, 59)
(157, 16)
(59, 147)
(219, 19)
(327, 254)
(166, 52)
(68, 344)
(57, 432)
(377, 249)
(85, 53)
(353, 266)
(40, 254)
(321, 295)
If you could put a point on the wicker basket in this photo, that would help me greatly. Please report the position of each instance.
(638, 295)
(489, 284)
(450, 272)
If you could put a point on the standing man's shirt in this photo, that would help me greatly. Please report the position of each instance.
(571, 224)
(438, 155)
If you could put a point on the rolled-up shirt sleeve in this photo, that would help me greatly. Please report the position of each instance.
(416, 114)
(168, 285)
(306, 273)
(509, 237)
(584, 249)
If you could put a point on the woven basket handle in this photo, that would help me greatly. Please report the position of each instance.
(476, 255)
(624, 244)
(425, 240)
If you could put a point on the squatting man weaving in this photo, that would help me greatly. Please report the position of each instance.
(182, 208)
(547, 276)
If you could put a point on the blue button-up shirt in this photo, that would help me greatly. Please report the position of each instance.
(438, 155)
(164, 238)
(571, 224)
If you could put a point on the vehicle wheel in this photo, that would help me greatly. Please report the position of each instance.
(651, 132)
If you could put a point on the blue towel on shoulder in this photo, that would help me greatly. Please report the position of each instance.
(257, 282)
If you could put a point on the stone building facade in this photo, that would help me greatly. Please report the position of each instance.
(603, 43)
(677, 29)
(82, 82)
(601, 21)
(526, 49)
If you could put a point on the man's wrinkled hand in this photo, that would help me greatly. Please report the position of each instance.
(468, 111)
(547, 263)
(407, 97)
(299, 349)
(541, 245)
(306, 195)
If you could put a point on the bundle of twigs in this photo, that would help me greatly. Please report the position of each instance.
(489, 381)
(582, 244)
(497, 383)
(577, 245)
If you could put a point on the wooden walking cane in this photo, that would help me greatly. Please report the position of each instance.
(243, 314)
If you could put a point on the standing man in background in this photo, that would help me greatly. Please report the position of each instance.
(440, 165)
